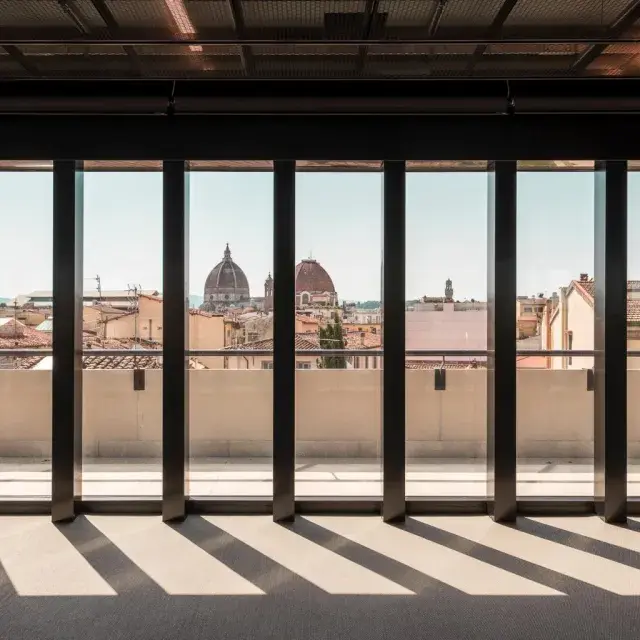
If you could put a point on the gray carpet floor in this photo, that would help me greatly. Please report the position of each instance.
(245, 577)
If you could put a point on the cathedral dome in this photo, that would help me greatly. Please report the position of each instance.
(311, 276)
(227, 282)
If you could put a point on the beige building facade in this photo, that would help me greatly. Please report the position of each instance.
(570, 325)
(206, 330)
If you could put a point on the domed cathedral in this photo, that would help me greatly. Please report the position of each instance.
(314, 286)
(226, 286)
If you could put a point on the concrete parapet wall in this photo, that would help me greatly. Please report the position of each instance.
(338, 414)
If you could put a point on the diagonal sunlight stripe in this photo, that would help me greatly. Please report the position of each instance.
(40, 561)
(580, 565)
(450, 567)
(323, 568)
(594, 527)
(168, 558)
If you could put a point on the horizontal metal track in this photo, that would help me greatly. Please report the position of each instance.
(415, 506)
(219, 353)
(310, 42)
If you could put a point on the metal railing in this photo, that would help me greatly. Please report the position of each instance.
(448, 353)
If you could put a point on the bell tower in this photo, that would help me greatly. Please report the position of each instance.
(268, 293)
(448, 290)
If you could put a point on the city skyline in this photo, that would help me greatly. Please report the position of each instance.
(339, 223)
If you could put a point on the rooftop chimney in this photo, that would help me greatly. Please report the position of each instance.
(584, 277)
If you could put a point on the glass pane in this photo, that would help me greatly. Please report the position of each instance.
(446, 292)
(338, 293)
(230, 396)
(122, 391)
(26, 280)
(554, 311)
(633, 335)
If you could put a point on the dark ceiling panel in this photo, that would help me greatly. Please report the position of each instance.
(293, 13)
(470, 13)
(209, 14)
(140, 13)
(387, 38)
(33, 13)
(408, 14)
(593, 13)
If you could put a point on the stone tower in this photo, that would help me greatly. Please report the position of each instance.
(268, 293)
(448, 290)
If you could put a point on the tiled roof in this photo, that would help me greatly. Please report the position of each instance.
(356, 340)
(122, 362)
(206, 314)
(588, 291)
(448, 364)
(587, 286)
(633, 310)
(30, 339)
(24, 363)
(305, 342)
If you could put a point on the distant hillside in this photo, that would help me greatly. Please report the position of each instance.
(5, 300)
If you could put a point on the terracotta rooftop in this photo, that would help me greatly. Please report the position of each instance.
(303, 341)
(587, 288)
(356, 340)
(448, 364)
(122, 362)
(30, 339)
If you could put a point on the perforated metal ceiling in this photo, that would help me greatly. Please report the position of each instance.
(318, 38)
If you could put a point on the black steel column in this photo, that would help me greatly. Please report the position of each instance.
(175, 319)
(284, 357)
(66, 456)
(501, 341)
(610, 341)
(393, 341)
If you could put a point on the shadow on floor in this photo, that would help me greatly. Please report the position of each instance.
(296, 606)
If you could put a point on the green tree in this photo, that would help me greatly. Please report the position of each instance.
(331, 337)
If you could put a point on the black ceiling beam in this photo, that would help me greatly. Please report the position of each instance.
(494, 31)
(108, 18)
(318, 137)
(22, 60)
(622, 23)
(438, 12)
(369, 16)
(446, 35)
(146, 96)
(246, 55)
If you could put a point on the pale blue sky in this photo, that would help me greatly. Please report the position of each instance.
(338, 223)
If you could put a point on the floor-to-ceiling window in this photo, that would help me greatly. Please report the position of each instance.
(555, 312)
(446, 328)
(122, 314)
(231, 311)
(338, 308)
(26, 280)
(633, 330)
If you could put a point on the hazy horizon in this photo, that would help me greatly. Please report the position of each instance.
(339, 223)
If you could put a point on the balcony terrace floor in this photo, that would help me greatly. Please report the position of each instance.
(338, 477)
